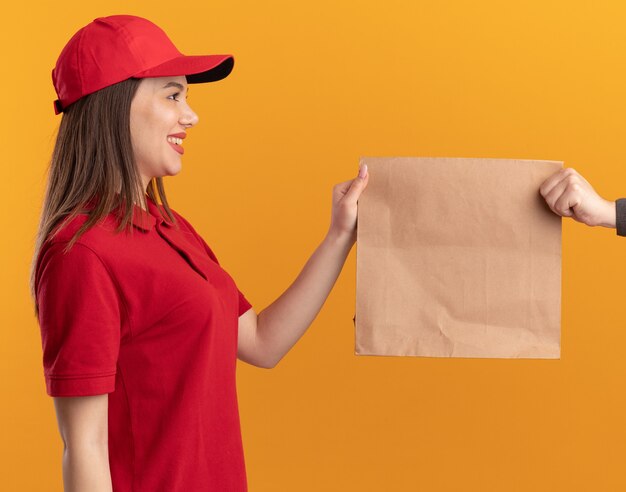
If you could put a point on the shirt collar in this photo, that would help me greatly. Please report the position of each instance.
(142, 219)
(146, 220)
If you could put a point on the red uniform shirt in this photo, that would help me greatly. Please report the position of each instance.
(151, 319)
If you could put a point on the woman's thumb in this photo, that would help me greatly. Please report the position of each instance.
(358, 184)
(363, 171)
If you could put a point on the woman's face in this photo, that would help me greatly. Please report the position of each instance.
(159, 110)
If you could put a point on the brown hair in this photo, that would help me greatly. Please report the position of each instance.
(93, 162)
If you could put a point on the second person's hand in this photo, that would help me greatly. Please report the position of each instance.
(568, 194)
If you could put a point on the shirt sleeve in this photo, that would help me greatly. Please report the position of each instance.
(244, 304)
(620, 219)
(79, 318)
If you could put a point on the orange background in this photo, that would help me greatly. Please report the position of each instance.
(316, 85)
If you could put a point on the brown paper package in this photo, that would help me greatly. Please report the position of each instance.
(458, 257)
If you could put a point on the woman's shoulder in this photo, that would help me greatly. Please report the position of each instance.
(58, 256)
(67, 228)
(102, 238)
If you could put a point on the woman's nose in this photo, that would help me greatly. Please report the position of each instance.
(189, 117)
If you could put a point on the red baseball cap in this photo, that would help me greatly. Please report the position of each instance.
(111, 49)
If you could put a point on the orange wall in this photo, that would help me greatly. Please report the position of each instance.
(315, 86)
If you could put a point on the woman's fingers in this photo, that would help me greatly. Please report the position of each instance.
(352, 189)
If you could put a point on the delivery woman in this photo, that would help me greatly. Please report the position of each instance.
(140, 326)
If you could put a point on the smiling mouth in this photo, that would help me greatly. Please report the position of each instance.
(175, 140)
(175, 143)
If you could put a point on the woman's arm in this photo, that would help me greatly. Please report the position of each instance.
(83, 426)
(266, 338)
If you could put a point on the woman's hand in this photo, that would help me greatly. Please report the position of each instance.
(344, 211)
(568, 194)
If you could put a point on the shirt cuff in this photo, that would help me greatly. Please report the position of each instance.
(620, 216)
(80, 386)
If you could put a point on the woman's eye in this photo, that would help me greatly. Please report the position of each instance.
(175, 96)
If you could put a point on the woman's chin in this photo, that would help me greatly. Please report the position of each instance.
(174, 169)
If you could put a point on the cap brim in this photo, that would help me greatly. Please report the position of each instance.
(197, 69)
